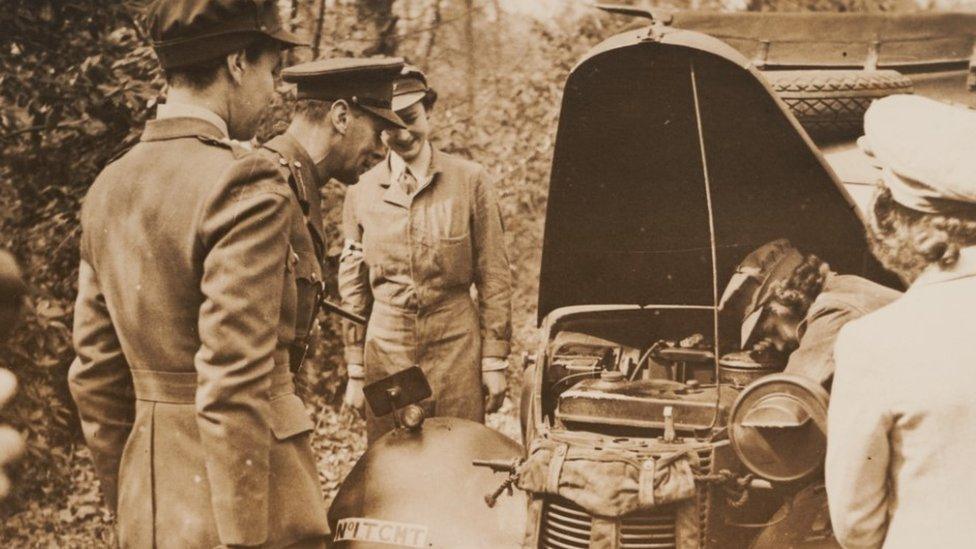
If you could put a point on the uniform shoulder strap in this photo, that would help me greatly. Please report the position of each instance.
(294, 173)
(239, 148)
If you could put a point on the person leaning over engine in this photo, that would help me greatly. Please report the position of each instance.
(795, 306)
(420, 229)
(902, 418)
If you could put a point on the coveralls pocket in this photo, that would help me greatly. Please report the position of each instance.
(454, 257)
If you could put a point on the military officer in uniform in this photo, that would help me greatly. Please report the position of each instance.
(186, 301)
(343, 106)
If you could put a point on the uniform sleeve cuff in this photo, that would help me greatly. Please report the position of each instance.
(493, 364)
(353, 354)
(495, 348)
(355, 370)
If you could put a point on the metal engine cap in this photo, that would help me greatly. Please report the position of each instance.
(778, 427)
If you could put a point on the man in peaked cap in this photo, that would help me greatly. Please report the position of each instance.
(343, 105)
(185, 304)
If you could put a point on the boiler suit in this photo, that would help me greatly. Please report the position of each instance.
(408, 265)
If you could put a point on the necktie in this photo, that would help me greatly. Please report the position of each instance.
(409, 182)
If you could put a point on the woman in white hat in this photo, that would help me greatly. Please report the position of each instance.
(422, 229)
(902, 417)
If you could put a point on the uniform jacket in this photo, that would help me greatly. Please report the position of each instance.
(843, 299)
(902, 418)
(186, 306)
(409, 265)
(307, 242)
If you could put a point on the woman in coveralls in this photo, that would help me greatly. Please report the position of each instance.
(794, 306)
(420, 229)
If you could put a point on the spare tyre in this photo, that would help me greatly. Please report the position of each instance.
(830, 104)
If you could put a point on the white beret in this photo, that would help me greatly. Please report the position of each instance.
(926, 149)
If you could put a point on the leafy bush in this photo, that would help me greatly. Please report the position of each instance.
(77, 81)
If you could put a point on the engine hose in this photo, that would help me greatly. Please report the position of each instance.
(571, 377)
(736, 488)
(789, 509)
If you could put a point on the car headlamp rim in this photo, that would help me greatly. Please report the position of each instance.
(796, 389)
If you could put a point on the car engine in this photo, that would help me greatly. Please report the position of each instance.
(612, 392)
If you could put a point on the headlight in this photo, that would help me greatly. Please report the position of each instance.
(778, 427)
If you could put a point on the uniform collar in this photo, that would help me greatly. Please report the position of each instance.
(291, 149)
(964, 267)
(175, 128)
(419, 168)
(394, 166)
(185, 110)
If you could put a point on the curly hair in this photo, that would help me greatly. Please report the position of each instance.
(907, 241)
(429, 99)
(798, 292)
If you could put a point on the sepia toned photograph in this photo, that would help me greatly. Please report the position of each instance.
(479, 274)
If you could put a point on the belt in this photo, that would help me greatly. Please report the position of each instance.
(181, 387)
(443, 301)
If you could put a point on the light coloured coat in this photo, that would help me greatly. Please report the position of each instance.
(902, 418)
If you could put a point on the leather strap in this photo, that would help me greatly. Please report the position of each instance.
(556, 468)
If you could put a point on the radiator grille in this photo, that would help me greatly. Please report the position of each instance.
(565, 525)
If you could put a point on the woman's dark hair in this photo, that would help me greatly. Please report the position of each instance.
(907, 241)
(201, 75)
(429, 99)
(797, 293)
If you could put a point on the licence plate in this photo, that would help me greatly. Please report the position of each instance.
(381, 531)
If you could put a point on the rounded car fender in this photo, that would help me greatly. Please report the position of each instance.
(420, 489)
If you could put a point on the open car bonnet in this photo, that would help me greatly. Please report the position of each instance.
(929, 54)
(673, 160)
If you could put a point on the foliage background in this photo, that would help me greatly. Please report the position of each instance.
(77, 81)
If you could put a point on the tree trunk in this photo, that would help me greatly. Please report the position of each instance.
(381, 25)
(469, 46)
(431, 21)
(317, 37)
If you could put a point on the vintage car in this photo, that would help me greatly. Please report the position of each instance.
(644, 424)
(680, 149)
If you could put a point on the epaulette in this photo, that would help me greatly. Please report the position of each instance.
(296, 180)
(239, 148)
